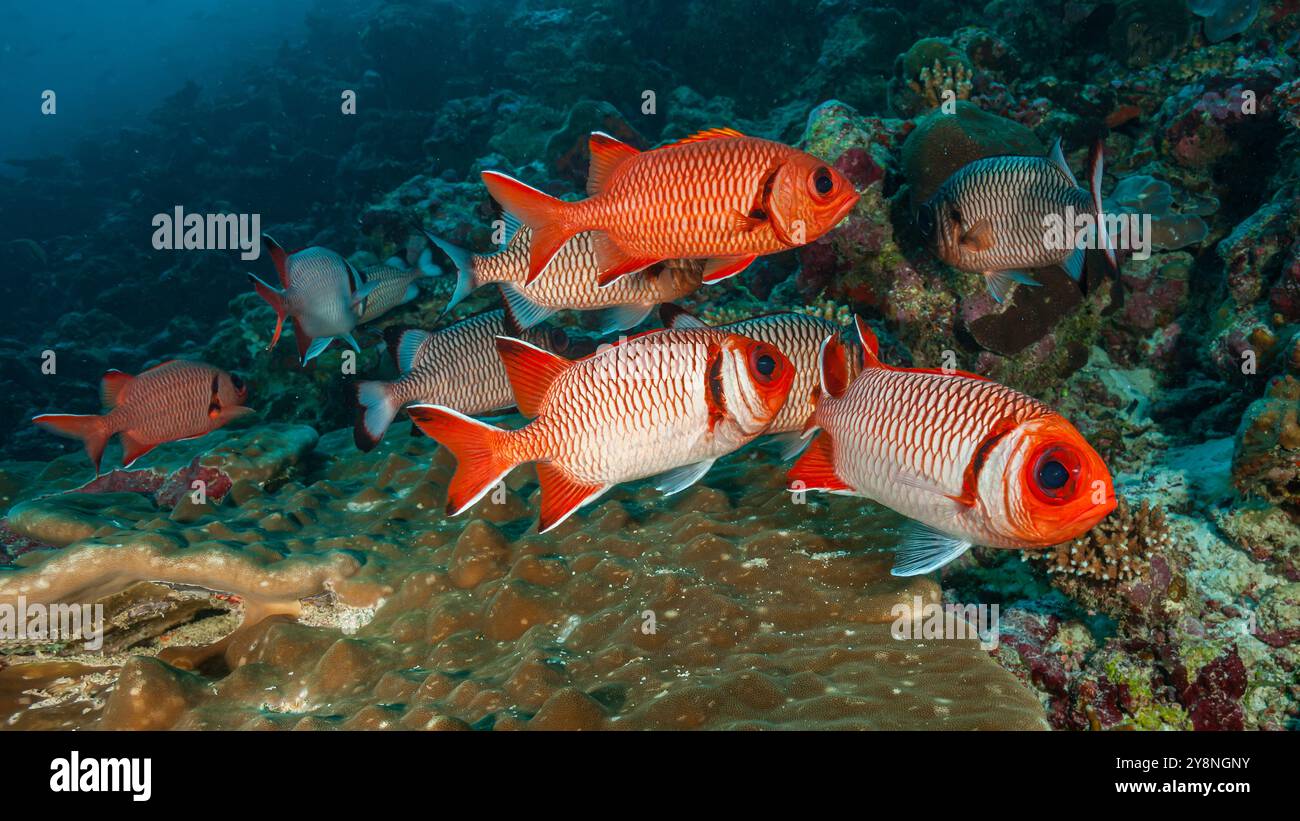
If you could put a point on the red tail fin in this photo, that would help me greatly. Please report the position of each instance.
(90, 429)
(276, 300)
(541, 212)
(476, 446)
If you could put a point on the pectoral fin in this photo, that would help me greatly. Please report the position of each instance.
(1000, 283)
(925, 549)
(979, 237)
(678, 479)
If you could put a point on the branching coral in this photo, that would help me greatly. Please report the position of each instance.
(936, 79)
(1118, 549)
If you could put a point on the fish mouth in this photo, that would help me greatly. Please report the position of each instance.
(846, 207)
(1092, 515)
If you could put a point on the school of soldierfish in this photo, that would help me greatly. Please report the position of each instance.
(971, 462)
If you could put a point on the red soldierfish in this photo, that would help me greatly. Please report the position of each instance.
(718, 196)
(991, 217)
(570, 282)
(456, 366)
(665, 402)
(172, 401)
(971, 461)
(800, 338)
(322, 293)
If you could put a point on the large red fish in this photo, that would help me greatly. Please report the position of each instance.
(971, 461)
(172, 401)
(664, 403)
(719, 196)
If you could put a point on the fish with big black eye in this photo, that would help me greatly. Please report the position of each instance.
(991, 217)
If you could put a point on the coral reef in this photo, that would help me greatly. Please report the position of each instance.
(309, 585)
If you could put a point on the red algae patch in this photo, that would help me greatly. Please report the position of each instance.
(353, 602)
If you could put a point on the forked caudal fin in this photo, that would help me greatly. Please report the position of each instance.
(464, 262)
(541, 212)
(92, 430)
(275, 299)
(476, 446)
(375, 411)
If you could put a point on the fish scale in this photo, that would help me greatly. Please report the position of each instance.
(458, 366)
(660, 422)
(883, 453)
(320, 294)
(167, 402)
(799, 337)
(570, 282)
(1014, 194)
(691, 199)
(389, 289)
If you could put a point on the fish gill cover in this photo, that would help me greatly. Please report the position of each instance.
(1046, 466)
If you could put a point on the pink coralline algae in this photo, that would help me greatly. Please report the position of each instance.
(166, 489)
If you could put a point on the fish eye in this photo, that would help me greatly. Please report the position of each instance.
(236, 382)
(955, 214)
(823, 181)
(1054, 474)
(764, 363)
(559, 340)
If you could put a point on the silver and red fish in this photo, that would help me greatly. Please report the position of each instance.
(172, 401)
(991, 217)
(664, 403)
(570, 282)
(969, 460)
(322, 293)
(799, 337)
(718, 196)
(456, 366)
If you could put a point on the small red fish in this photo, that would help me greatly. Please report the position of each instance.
(719, 196)
(971, 461)
(172, 401)
(665, 402)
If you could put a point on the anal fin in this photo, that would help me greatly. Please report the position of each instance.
(815, 470)
(614, 262)
(562, 495)
(621, 317)
(720, 268)
(133, 448)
